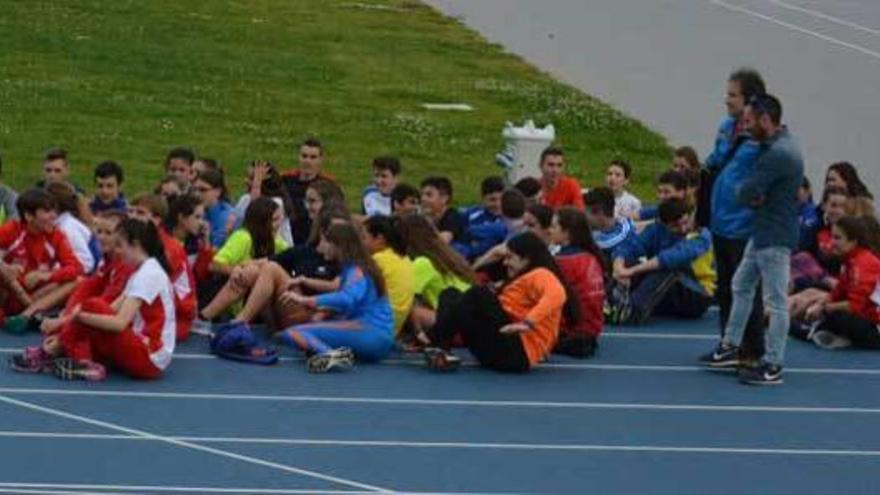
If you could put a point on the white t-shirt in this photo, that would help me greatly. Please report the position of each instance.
(156, 319)
(78, 236)
(376, 203)
(285, 233)
(626, 205)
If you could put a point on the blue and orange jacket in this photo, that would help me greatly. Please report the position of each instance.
(673, 252)
(358, 299)
(733, 160)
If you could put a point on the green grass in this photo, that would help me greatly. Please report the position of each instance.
(241, 80)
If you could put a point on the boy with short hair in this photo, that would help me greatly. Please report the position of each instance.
(108, 188)
(56, 168)
(609, 232)
(8, 197)
(489, 211)
(670, 185)
(617, 178)
(376, 199)
(179, 164)
(38, 263)
(436, 199)
(558, 189)
(676, 279)
(484, 238)
(404, 200)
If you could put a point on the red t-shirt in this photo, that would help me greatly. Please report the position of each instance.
(567, 192)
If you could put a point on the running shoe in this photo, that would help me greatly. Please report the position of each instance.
(342, 358)
(830, 340)
(73, 369)
(766, 374)
(725, 356)
(439, 359)
(33, 360)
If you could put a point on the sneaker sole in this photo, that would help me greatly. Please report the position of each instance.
(761, 383)
(723, 365)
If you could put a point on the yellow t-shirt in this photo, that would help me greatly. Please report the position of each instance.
(239, 246)
(430, 283)
(704, 269)
(399, 282)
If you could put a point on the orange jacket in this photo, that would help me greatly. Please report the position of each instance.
(536, 298)
(567, 192)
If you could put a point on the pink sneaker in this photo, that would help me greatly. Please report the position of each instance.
(32, 360)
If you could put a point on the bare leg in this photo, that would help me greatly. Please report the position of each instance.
(422, 318)
(235, 289)
(273, 281)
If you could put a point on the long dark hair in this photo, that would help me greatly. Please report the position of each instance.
(422, 240)
(854, 185)
(330, 211)
(574, 221)
(346, 239)
(146, 235)
(217, 180)
(864, 231)
(529, 246)
(385, 226)
(258, 223)
(183, 205)
(273, 186)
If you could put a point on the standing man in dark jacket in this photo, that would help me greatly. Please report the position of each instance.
(772, 192)
(731, 162)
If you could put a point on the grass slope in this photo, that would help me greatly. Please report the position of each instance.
(239, 80)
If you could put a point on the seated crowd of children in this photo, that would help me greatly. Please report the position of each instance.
(537, 268)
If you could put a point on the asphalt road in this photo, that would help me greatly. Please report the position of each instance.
(666, 61)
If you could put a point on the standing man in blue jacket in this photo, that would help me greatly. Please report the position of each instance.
(772, 192)
(731, 162)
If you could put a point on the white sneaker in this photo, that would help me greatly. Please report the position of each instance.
(342, 358)
(202, 328)
(830, 340)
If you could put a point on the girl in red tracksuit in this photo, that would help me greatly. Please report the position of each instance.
(108, 280)
(37, 261)
(136, 334)
(850, 313)
(582, 266)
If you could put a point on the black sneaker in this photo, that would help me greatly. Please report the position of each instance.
(441, 360)
(766, 374)
(725, 356)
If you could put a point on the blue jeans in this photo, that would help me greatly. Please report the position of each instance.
(769, 267)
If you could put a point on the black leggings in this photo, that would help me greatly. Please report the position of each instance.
(477, 315)
(728, 255)
(860, 331)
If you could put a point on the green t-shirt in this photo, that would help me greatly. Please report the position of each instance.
(237, 248)
(429, 283)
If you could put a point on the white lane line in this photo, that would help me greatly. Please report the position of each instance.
(646, 406)
(661, 336)
(824, 16)
(795, 27)
(581, 366)
(192, 446)
(23, 491)
(166, 489)
(42, 491)
(310, 442)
